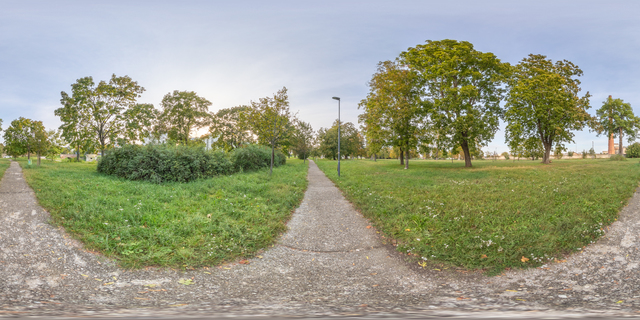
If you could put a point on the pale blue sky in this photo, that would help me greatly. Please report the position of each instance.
(235, 52)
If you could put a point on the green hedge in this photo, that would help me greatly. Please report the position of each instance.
(633, 151)
(254, 157)
(162, 163)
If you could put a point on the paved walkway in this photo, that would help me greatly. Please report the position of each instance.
(328, 262)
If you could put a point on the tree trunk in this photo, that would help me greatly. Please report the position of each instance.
(467, 155)
(620, 144)
(38, 158)
(272, 155)
(401, 156)
(78, 153)
(406, 163)
(546, 158)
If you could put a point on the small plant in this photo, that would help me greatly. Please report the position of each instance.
(584, 154)
(570, 153)
(618, 157)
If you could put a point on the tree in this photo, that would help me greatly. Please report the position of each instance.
(56, 143)
(140, 123)
(18, 138)
(183, 112)
(98, 112)
(392, 110)
(302, 139)
(543, 102)
(615, 119)
(351, 142)
(40, 139)
(271, 120)
(533, 148)
(462, 89)
(228, 128)
(505, 155)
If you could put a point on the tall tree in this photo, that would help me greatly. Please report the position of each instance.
(463, 88)
(270, 119)
(98, 112)
(616, 118)
(351, 142)
(543, 102)
(140, 123)
(303, 137)
(228, 128)
(18, 137)
(392, 109)
(183, 112)
(40, 138)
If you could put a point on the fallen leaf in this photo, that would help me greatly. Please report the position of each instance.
(524, 259)
(259, 257)
(106, 284)
(621, 301)
(437, 269)
(407, 229)
(483, 256)
(185, 282)
(521, 299)
(244, 262)
(368, 227)
(84, 275)
(97, 279)
(512, 290)
(207, 272)
(150, 285)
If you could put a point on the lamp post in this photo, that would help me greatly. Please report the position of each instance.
(338, 98)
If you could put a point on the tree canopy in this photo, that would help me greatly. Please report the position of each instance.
(229, 130)
(99, 113)
(616, 119)
(183, 112)
(271, 120)
(303, 136)
(462, 90)
(543, 102)
(351, 142)
(25, 136)
(393, 113)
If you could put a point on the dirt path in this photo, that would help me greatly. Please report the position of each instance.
(329, 262)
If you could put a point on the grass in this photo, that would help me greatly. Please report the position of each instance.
(4, 164)
(201, 223)
(496, 215)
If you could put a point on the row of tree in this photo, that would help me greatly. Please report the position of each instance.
(445, 95)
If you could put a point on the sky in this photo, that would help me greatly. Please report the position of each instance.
(233, 52)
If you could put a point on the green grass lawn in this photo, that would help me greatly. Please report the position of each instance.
(201, 223)
(4, 164)
(496, 215)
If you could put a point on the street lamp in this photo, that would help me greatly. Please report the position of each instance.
(338, 98)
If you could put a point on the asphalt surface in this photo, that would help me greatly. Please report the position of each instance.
(330, 263)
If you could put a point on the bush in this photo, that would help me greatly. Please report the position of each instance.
(633, 151)
(570, 153)
(161, 163)
(584, 154)
(618, 157)
(505, 155)
(254, 157)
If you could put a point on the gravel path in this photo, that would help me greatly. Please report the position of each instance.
(328, 263)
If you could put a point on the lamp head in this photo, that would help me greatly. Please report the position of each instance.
(336, 98)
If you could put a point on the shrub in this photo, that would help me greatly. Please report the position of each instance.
(584, 154)
(618, 157)
(254, 157)
(505, 155)
(161, 163)
(633, 151)
(570, 153)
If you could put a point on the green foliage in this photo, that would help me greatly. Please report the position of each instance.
(162, 163)
(491, 216)
(543, 103)
(350, 141)
(584, 154)
(26, 136)
(616, 118)
(183, 112)
(505, 155)
(463, 89)
(229, 130)
(254, 157)
(617, 157)
(633, 151)
(202, 223)
(271, 120)
(570, 153)
(393, 114)
(104, 114)
(592, 153)
(302, 139)
(558, 152)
